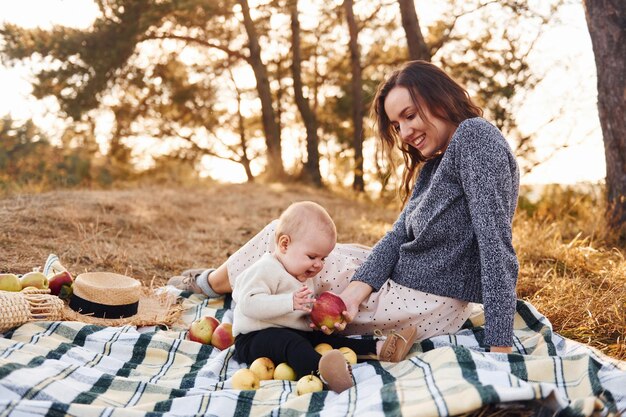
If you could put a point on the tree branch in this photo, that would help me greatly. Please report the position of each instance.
(201, 42)
(447, 34)
(363, 22)
(207, 151)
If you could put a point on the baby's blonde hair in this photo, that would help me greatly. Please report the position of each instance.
(298, 217)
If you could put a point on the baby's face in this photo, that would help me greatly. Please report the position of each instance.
(306, 254)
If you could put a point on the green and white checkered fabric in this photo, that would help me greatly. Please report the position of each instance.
(71, 368)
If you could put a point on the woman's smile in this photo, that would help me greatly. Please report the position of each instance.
(429, 134)
(418, 142)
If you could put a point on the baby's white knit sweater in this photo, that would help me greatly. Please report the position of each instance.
(263, 294)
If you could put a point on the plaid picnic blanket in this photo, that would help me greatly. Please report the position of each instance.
(73, 368)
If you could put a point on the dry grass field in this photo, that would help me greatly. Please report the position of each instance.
(569, 270)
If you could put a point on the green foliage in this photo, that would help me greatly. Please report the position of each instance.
(493, 62)
(170, 170)
(165, 68)
(81, 64)
(28, 159)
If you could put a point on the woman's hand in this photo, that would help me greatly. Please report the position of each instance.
(352, 308)
(302, 299)
(501, 349)
(355, 293)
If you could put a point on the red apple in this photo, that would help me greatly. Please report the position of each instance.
(61, 284)
(201, 330)
(223, 336)
(327, 310)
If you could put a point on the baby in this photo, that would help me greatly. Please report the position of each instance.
(274, 296)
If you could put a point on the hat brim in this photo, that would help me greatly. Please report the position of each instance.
(154, 309)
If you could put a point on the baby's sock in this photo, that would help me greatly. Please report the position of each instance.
(379, 346)
(202, 281)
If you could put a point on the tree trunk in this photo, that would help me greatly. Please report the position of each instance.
(415, 41)
(241, 128)
(357, 96)
(278, 93)
(275, 168)
(606, 20)
(245, 161)
(312, 164)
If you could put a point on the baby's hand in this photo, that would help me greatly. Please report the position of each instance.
(302, 299)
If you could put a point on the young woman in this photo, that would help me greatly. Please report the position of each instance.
(452, 243)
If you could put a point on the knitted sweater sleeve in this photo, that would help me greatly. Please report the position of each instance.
(489, 178)
(380, 263)
(257, 298)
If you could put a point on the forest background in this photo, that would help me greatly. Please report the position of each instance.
(153, 93)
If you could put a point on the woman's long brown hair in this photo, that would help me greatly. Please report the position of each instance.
(429, 87)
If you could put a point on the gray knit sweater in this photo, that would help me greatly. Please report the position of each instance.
(453, 237)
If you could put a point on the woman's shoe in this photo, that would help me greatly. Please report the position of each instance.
(187, 281)
(193, 272)
(398, 345)
(335, 371)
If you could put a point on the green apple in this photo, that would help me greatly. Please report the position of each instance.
(34, 279)
(309, 383)
(323, 348)
(245, 379)
(285, 372)
(349, 354)
(10, 282)
(263, 368)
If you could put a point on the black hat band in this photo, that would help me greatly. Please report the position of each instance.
(83, 306)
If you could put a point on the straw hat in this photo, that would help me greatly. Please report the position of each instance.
(110, 299)
(105, 295)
